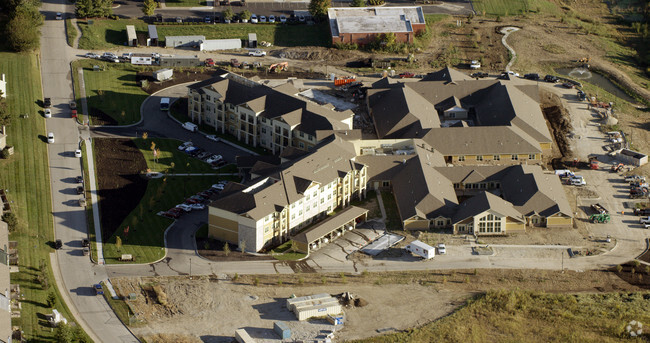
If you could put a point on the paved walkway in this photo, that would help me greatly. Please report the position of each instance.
(75, 44)
(507, 31)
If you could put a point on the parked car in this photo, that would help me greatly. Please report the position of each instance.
(58, 244)
(568, 85)
(48, 113)
(212, 137)
(109, 55)
(197, 206)
(184, 207)
(582, 95)
(92, 55)
(642, 211)
(301, 18)
(127, 56)
(50, 137)
(85, 242)
(479, 75)
(47, 102)
(174, 215)
(209, 62)
(632, 178)
(218, 186)
(99, 290)
(405, 75)
(234, 63)
(80, 189)
(179, 19)
(644, 220)
(73, 105)
(253, 19)
(207, 20)
(184, 146)
(577, 180)
(80, 179)
(59, 16)
(191, 201)
(271, 19)
(262, 19)
(257, 53)
(531, 76)
(214, 158)
(442, 249)
(551, 78)
(77, 153)
(203, 155)
(283, 19)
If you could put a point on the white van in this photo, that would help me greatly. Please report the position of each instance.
(577, 180)
(190, 126)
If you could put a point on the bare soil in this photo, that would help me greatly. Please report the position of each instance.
(120, 186)
(213, 250)
(212, 308)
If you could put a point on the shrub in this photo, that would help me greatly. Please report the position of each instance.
(323, 279)
(301, 280)
(235, 277)
(375, 2)
(4, 153)
(346, 46)
(11, 220)
(256, 281)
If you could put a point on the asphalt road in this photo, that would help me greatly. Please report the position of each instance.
(76, 272)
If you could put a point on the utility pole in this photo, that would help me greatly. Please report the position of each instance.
(190, 268)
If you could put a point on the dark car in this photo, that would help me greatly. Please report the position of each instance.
(80, 179)
(531, 76)
(47, 102)
(80, 189)
(85, 242)
(73, 105)
(58, 244)
(99, 290)
(568, 85)
(174, 215)
(581, 95)
(551, 78)
(479, 75)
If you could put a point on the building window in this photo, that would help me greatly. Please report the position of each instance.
(207, 97)
(263, 130)
(496, 157)
(514, 157)
(322, 200)
(479, 157)
(461, 158)
(302, 134)
(440, 223)
(263, 120)
(531, 156)
(310, 137)
(301, 145)
(293, 216)
(385, 184)
(329, 196)
(489, 224)
(300, 212)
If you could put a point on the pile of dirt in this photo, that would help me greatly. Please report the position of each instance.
(557, 116)
(316, 54)
(634, 273)
(119, 163)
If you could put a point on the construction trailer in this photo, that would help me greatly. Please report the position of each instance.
(163, 74)
(630, 157)
(131, 37)
(421, 249)
(291, 302)
(219, 44)
(152, 40)
(179, 61)
(183, 41)
(318, 305)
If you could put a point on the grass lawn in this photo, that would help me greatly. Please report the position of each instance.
(106, 33)
(114, 90)
(500, 7)
(146, 229)
(71, 32)
(285, 253)
(185, 3)
(393, 221)
(524, 316)
(25, 175)
(169, 154)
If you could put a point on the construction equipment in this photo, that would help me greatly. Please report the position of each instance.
(341, 81)
(593, 163)
(637, 193)
(599, 208)
(617, 167)
(584, 60)
(599, 218)
(277, 67)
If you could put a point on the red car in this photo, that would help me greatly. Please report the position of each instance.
(568, 85)
(174, 215)
(406, 75)
(209, 62)
(73, 113)
(192, 201)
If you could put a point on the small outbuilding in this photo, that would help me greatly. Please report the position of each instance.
(252, 40)
(163, 74)
(152, 40)
(131, 37)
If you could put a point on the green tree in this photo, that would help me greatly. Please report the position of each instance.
(51, 299)
(11, 220)
(228, 14)
(318, 8)
(226, 249)
(358, 3)
(83, 8)
(5, 116)
(63, 333)
(93, 8)
(245, 15)
(23, 29)
(148, 7)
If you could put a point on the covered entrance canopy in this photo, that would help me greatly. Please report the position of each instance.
(329, 229)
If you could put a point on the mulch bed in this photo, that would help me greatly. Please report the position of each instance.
(215, 252)
(98, 117)
(118, 165)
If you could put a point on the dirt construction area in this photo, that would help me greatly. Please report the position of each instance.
(210, 309)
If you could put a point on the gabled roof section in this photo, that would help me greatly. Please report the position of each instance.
(399, 110)
(482, 202)
(301, 184)
(446, 74)
(532, 191)
(474, 140)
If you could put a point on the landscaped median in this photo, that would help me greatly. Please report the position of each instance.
(138, 225)
(107, 33)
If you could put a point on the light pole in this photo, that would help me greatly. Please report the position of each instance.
(190, 268)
